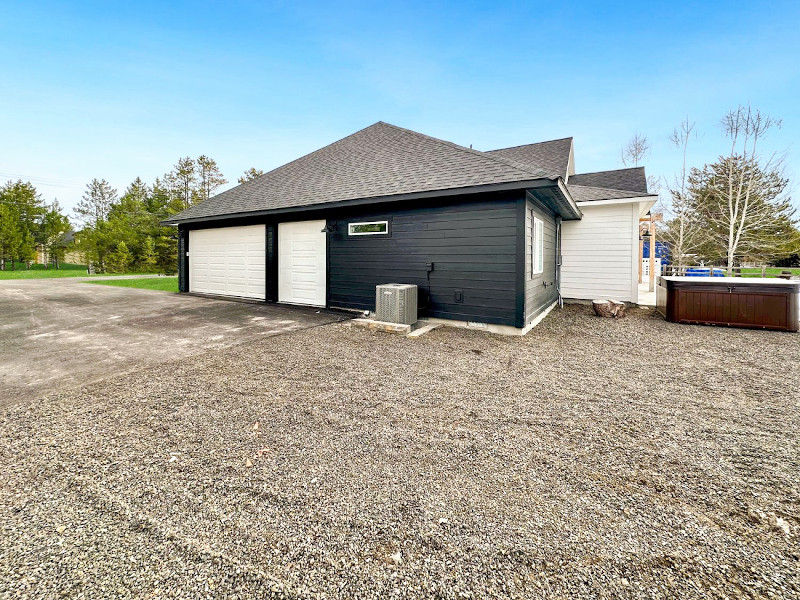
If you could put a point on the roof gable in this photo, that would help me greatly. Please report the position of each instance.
(379, 161)
(554, 156)
(632, 179)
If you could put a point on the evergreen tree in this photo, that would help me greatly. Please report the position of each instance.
(744, 210)
(52, 228)
(96, 202)
(27, 206)
(183, 181)
(120, 260)
(251, 174)
(209, 177)
(10, 234)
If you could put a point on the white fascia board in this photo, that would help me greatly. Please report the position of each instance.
(645, 203)
(650, 200)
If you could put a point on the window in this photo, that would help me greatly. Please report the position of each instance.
(368, 228)
(537, 246)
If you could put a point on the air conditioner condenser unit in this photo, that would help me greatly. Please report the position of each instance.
(396, 303)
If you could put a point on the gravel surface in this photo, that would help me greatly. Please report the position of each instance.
(593, 458)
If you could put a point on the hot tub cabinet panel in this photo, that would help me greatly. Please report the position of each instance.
(731, 301)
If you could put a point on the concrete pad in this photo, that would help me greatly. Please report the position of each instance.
(59, 333)
(384, 326)
(422, 330)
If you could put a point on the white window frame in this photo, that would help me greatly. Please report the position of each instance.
(537, 246)
(351, 225)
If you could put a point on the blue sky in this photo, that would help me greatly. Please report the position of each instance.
(117, 90)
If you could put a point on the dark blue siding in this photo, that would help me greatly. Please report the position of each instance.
(473, 248)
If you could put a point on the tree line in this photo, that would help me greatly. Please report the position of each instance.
(27, 222)
(734, 210)
(117, 233)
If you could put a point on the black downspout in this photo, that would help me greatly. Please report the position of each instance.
(558, 261)
(183, 259)
(522, 210)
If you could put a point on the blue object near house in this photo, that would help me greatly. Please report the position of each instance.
(702, 271)
(662, 251)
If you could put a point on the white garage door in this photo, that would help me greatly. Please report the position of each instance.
(229, 261)
(302, 263)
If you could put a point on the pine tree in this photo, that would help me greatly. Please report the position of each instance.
(251, 174)
(96, 202)
(209, 176)
(52, 228)
(10, 234)
(28, 207)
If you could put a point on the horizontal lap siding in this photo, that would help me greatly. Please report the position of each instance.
(538, 296)
(472, 246)
(597, 253)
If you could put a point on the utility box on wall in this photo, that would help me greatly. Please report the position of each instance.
(396, 303)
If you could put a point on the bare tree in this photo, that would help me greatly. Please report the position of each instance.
(683, 228)
(741, 197)
(635, 150)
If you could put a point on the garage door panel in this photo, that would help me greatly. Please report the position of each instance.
(302, 263)
(229, 261)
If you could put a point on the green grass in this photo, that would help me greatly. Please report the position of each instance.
(39, 272)
(771, 272)
(162, 284)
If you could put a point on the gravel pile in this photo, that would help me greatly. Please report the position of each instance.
(593, 458)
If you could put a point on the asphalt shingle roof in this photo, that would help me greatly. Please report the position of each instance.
(583, 193)
(633, 180)
(552, 156)
(379, 161)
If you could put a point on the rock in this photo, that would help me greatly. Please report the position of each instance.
(609, 308)
(780, 524)
(397, 557)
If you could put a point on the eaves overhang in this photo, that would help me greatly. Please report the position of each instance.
(557, 198)
(529, 184)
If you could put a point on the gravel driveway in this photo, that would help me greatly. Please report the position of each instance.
(590, 459)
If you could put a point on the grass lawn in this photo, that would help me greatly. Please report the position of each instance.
(39, 272)
(771, 272)
(163, 284)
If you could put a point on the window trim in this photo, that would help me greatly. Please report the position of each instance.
(537, 246)
(350, 226)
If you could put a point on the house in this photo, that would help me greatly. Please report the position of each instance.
(493, 239)
(66, 251)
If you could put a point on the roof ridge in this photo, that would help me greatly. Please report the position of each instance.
(541, 174)
(291, 162)
(531, 144)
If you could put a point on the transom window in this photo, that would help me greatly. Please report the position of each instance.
(368, 228)
(537, 247)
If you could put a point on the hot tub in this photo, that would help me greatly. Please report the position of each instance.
(759, 303)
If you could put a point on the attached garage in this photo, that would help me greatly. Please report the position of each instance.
(228, 261)
(479, 233)
(302, 263)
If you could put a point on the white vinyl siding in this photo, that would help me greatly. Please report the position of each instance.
(228, 261)
(599, 253)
